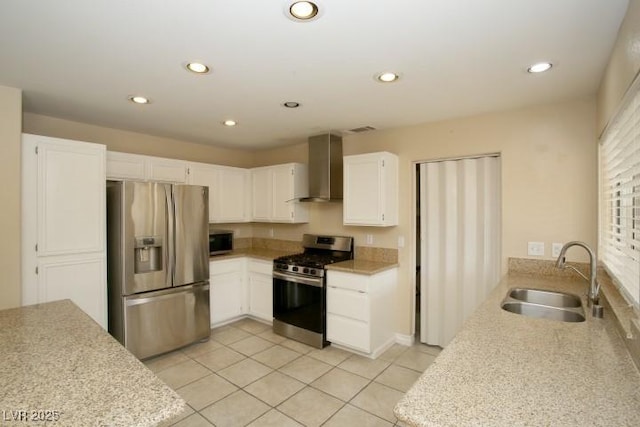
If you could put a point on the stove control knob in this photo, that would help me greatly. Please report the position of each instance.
(294, 268)
(312, 271)
(305, 270)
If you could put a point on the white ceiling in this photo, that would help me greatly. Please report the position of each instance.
(80, 60)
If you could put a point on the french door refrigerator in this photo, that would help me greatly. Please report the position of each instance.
(157, 265)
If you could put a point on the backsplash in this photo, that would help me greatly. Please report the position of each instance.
(368, 253)
(365, 253)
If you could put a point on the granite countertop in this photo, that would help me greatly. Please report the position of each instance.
(258, 253)
(359, 266)
(57, 364)
(508, 369)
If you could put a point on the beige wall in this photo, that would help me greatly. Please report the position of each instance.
(549, 181)
(623, 66)
(137, 143)
(10, 223)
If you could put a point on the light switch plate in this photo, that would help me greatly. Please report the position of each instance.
(535, 248)
(369, 238)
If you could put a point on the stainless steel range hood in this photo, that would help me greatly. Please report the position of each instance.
(325, 168)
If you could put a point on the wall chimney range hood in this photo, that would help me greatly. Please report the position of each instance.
(325, 168)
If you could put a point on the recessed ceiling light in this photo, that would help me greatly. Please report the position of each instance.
(291, 104)
(303, 10)
(387, 77)
(137, 99)
(540, 67)
(229, 123)
(198, 68)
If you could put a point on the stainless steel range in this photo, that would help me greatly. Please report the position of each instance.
(299, 288)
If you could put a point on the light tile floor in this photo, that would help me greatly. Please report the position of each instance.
(246, 375)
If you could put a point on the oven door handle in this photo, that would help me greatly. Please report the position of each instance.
(297, 279)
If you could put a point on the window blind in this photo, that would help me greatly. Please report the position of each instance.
(620, 197)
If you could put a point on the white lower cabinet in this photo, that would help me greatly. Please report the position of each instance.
(239, 287)
(227, 289)
(260, 290)
(360, 310)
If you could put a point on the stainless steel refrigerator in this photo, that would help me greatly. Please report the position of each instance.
(158, 265)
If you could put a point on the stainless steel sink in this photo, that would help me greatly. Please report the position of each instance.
(543, 311)
(539, 296)
(544, 304)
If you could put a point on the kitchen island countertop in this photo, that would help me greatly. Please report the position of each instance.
(58, 365)
(507, 369)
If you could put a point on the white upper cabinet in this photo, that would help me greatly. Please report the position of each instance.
(371, 189)
(275, 190)
(229, 195)
(126, 166)
(63, 226)
(149, 168)
(71, 196)
(166, 170)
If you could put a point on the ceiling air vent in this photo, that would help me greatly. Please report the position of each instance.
(361, 129)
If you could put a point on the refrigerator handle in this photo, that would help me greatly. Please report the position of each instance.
(171, 252)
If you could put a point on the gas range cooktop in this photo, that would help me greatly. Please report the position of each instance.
(318, 252)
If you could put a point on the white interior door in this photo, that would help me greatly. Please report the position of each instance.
(460, 242)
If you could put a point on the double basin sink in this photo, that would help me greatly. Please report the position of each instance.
(544, 304)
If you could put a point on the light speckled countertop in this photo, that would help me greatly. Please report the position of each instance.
(508, 369)
(259, 253)
(359, 266)
(56, 362)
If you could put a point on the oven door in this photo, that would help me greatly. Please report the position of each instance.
(299, 301)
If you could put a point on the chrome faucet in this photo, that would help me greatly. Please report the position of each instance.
(593, 295)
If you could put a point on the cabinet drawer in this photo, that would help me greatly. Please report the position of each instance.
(261, 267)
(356, 282)
(227, 266)
(352, 304)
(348, 332)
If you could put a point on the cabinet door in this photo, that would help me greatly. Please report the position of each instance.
(70, 197)
(261, 191)
(80, 279)
(167, 170)
(362, 190)
(261, 296)
(233, 198)
(226, 296)
(208, 176)
(125, 166)
(282, 179)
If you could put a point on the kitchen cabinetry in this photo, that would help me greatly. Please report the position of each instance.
(229, 195)
(149, 168)
(360, 310)
(275, 190)
(125, 166)
(227, 290)
(63, 229)
(371, 189)
(260, 290)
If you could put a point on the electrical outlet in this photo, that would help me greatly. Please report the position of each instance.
(535, 248)
(555, 249)
(401, 241)
(271, 232)
(369, 238)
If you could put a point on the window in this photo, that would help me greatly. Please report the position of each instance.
(620, 197)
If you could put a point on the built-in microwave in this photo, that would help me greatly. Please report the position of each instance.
(220, 242)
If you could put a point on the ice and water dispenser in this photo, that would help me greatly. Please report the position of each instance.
(148, 254)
